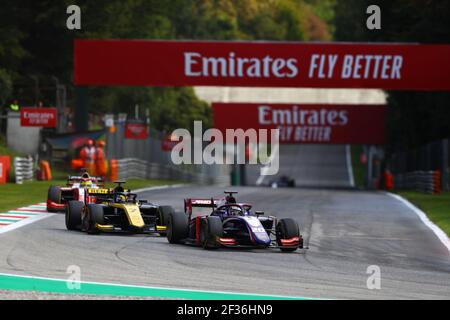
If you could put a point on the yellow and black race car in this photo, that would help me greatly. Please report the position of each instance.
(117, 209)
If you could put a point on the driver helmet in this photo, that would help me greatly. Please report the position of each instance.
(86, 183)
(230, 199)
(234, 211)
(119, 189)
(121, 198)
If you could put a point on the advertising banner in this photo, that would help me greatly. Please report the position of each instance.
(38, 117)
(136, 130)
(306, 123)
(394, 66)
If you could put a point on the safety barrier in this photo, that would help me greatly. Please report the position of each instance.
(133, 168)
(45, 172)
(150, 160)
(5, 164)
(23, 167)
(113, 170)
(421, 181)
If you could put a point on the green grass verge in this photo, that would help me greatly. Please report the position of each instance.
(13, 195)
(436, 206)
(5, 151)
(358, 168)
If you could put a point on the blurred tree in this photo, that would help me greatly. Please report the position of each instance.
(414, 117)
(35, 41)
(5, 86)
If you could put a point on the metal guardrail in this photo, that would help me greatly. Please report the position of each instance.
(421, 181)
(133, 168)
(23, 167)
(145, 159)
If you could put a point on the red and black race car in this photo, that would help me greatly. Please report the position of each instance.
(231, 224)
(76, 189)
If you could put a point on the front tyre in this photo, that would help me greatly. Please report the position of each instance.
(286, 229)
(211, 229)
(73, 214)
(177, 227)
(93, 216)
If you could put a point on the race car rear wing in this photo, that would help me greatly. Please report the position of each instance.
(199, 203)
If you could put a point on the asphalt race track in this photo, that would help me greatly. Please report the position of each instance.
(310, 165)
(346, 232)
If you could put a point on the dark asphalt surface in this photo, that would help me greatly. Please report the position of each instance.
(310, 165)
(346, 231)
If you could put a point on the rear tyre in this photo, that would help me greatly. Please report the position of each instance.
(177, 227)
(287, 229)
(211, 229)
(73, 215)
(94, 215)
(54, 195)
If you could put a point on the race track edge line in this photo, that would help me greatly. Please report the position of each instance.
(24, 222)
(167, 186)
(442, 236)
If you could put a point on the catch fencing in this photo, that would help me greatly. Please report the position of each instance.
(146, 159)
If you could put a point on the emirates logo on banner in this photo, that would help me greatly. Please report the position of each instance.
(306, 123)
(197, 65)
(38, 117)
(136, 130)
(394, 66)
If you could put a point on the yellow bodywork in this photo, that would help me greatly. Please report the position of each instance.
(134, 217)
(132, 212)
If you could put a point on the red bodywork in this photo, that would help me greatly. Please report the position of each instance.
(71, 192)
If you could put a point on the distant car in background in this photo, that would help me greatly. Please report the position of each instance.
(75, 189)
(282, 182)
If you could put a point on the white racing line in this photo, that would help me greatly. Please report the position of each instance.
(442, 236)
(348, 156)
(267, 166)
(23, 216)
(166, 186)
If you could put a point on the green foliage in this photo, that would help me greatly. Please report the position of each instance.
(357, 166)
(414, 118)
(5, 86)
(35, 41)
